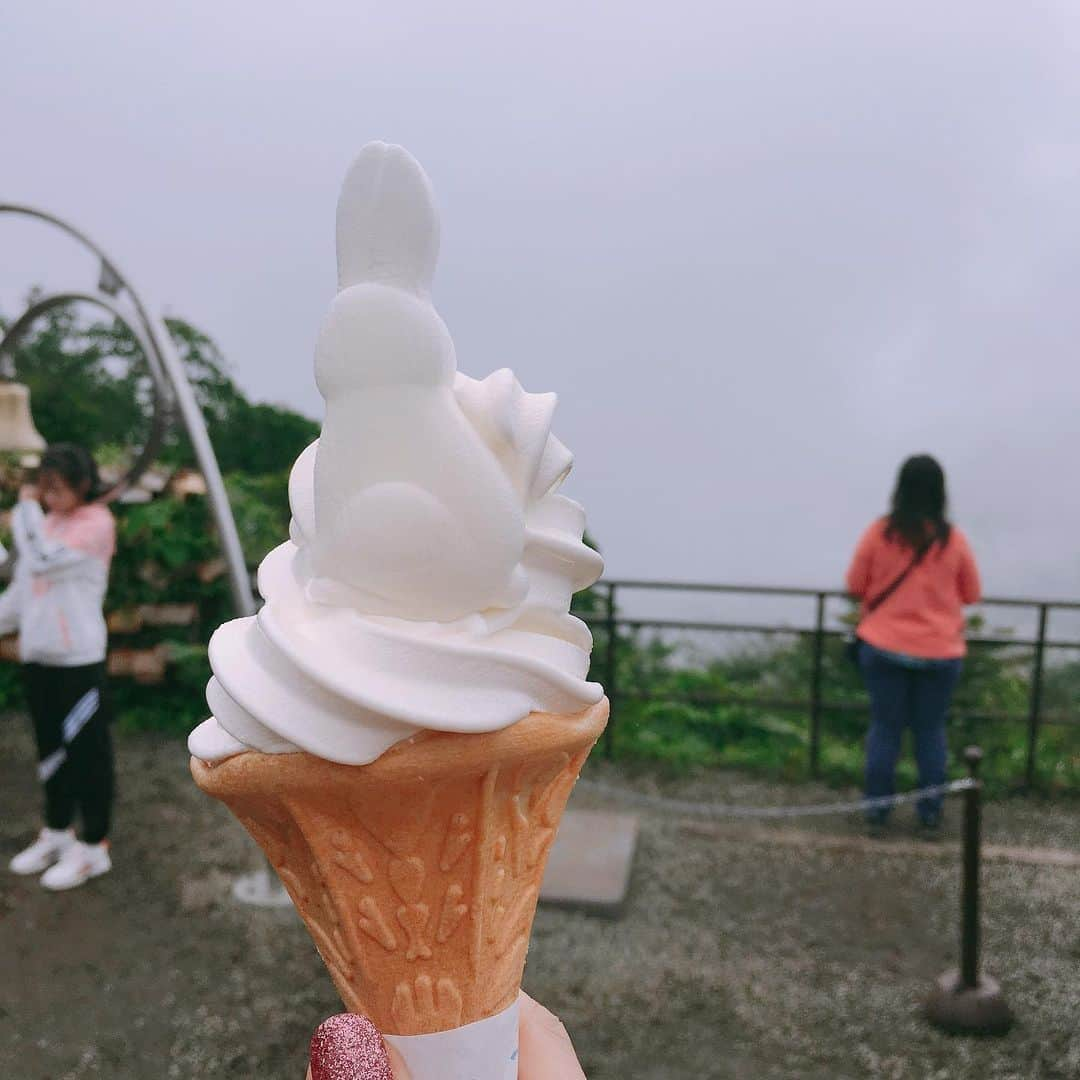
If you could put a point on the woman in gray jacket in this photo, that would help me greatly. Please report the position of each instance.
(55, 603)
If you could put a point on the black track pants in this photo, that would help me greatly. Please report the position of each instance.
(69, 709)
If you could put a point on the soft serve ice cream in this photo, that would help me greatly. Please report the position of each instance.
(401, 725)
(427, 578)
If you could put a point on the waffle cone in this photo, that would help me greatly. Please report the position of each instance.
(417, 875)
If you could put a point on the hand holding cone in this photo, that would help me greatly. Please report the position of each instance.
(348, 1047)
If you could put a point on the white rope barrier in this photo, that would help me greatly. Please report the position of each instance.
(720, 810)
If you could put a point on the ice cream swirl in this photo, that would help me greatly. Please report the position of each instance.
(426, 583)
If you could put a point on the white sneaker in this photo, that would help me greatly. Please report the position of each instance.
(43, 852)
(78, 864)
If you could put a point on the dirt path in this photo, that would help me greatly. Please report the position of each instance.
(736, 958)
(885, 848)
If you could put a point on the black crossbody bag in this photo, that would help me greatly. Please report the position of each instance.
(851, 643)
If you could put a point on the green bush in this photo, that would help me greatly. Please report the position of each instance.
(161, 548)
(684, 715)
(175, 706)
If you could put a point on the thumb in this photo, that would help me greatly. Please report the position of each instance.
(349, 1047)
(546, 1052)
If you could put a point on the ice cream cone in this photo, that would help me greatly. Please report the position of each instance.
(418, 874)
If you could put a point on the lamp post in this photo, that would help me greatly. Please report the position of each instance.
(172, 395)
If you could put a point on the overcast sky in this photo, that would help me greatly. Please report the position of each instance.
(762, 251)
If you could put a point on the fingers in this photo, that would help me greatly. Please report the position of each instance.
(348, 1047)
(401, 1070)
(546, 1050)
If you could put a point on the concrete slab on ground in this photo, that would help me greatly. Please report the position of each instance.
(590, 862)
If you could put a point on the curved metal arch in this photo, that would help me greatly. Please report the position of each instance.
(158, 344)
(51, 219)
(162, 402)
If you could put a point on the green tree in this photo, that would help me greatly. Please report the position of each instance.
(89, 383)
(251, 438)
(83, 387)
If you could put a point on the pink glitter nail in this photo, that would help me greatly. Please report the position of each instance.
(348, 1047)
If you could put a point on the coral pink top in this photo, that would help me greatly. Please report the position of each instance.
(925, 616)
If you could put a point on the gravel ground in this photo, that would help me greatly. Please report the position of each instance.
(734, 959)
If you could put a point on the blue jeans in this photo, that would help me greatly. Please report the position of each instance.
(901, 695)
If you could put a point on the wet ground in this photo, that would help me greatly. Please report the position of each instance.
(736, 957)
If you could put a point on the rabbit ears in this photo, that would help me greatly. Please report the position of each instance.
(387, 224)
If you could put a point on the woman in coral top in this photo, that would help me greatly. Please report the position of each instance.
(913, 572)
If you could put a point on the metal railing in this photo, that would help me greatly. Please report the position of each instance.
(815, 705)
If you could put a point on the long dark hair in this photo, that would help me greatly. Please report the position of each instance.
(919, 504)
(75, 465)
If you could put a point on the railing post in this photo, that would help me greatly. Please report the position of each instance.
(1035, 700)
(609, 673)
(815, 686)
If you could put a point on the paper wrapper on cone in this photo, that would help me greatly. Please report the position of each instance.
(418, 874)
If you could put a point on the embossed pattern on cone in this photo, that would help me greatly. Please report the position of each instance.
(417, 875)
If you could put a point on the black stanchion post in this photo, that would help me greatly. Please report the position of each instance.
(966, 1002)
(609, 674)
(969, 894)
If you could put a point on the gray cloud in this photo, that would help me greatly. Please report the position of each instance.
(762, 255)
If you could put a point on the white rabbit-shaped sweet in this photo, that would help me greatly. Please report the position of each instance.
(413, 512)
